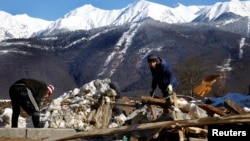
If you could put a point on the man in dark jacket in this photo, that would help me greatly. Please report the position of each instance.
(28, 94)
(163, 76)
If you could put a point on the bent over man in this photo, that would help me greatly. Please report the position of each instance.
(163, 76)
(28, 94)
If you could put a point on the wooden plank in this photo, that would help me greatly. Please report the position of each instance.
(196, 130)
(234, 119)
(154, 101)
(232, 106)
(211, 109)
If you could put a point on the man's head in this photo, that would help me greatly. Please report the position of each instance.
(153, 60)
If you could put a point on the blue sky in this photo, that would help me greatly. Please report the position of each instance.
(54, 9)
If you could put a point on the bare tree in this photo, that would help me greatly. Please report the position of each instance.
(219, 87)
(189, 74)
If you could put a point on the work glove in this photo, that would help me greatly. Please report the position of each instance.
(151, 93)
(170, 89)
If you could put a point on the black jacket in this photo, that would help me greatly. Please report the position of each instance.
(38, 88)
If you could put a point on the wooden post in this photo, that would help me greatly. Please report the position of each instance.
(178, 117)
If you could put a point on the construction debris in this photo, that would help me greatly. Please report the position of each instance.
(94, 112)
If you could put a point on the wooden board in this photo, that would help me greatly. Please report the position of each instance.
(232, 106)
(211, 109)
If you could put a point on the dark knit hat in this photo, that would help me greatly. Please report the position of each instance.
(152, 58)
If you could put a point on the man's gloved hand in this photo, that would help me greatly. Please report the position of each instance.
(151, 93)
(170, 89)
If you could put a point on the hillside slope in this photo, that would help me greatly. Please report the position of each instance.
(72, 59)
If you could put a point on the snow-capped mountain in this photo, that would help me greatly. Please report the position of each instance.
(212, 13)
(20, 26)
(88, 17)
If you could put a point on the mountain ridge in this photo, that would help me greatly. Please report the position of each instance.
(88, 17)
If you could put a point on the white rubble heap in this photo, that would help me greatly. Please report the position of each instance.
(83, 108)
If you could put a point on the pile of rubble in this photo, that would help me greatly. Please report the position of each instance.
(95, 106)
(83, 108)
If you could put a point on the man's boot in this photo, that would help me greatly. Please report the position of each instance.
(36, 120)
